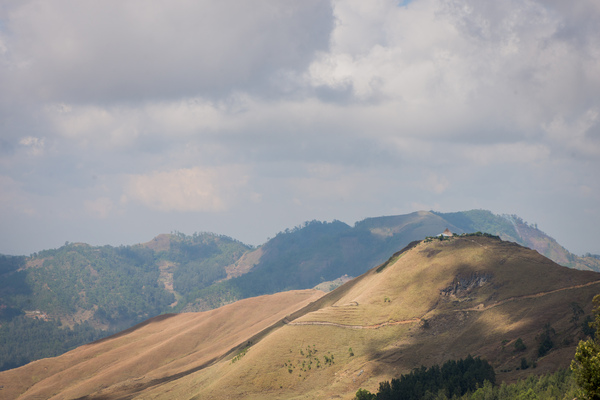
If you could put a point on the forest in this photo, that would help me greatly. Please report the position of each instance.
(59, 299)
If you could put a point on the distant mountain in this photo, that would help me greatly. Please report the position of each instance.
(436, 300)
(514, 229)
(79, 293)
(318, 252)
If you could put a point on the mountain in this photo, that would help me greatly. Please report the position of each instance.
(514, 229)
(319, 252)
(57, 299)
(433, 301)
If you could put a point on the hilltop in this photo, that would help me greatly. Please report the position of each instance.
(433, 301)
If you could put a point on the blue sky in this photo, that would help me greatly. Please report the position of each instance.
(122, 121)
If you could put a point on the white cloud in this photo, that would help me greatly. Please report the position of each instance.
(347, 109)
(436, 183)
(134, 49)
(581, 134)
(34, 145)
(100, 207)
(188, 189)
(516, 154)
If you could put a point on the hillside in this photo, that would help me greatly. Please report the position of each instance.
(318, 252)
(513, 228)
(435, 301)
(57, 299)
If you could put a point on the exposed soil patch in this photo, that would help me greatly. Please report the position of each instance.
(160, 243)
(35, 263)
(244, 264)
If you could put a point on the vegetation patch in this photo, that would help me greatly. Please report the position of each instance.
(309, 358)
(454, 378)
(239, 355)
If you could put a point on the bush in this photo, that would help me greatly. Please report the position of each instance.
(520, 345)
(363, 394)
(545, 339)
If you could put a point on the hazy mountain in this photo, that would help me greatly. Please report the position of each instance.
(437, 300)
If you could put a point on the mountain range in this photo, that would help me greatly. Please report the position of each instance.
(434, 300)
(55, 300)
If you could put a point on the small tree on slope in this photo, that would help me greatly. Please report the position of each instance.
(586, 364)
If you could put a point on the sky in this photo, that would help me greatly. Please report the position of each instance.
(121, 120)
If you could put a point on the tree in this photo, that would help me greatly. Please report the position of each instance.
(586, 364)
(520, 345)
(363, 394)
(545, 339)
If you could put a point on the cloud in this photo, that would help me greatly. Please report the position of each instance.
(190, 112)
(71, 51)
(189, 189)
(34, 145)
(436, 183)
(581, 134)
(462, 70)
(99, 208)
(13, 199)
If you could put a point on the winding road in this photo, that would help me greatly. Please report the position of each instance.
(480, 308)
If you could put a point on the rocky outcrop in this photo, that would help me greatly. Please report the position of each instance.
(463, 285)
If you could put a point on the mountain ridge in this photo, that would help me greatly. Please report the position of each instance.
(434, 301)
(181, 273)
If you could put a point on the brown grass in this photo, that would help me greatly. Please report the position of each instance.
(160, 243)
(160, 348)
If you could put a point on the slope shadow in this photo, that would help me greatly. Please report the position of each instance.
(134, 328)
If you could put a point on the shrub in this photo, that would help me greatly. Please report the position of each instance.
(520, 345)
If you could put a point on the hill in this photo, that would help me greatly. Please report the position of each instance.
(318, 252)
(513, 228)
(434, 301)
(58, 299)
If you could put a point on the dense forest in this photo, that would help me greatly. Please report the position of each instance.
(23, 339)
(453, 379)
(58, 299)
(560, 385)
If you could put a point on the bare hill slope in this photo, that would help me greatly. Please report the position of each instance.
(158, 350)
(433, 302)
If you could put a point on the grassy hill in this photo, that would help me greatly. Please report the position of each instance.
(434, 301)
(513, 228)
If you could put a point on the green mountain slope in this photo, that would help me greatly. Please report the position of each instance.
(69, 296)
